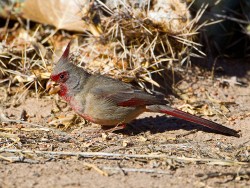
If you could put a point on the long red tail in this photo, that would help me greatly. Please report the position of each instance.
(189, 117)
(201, 121)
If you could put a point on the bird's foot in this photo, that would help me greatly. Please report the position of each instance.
(108, 129)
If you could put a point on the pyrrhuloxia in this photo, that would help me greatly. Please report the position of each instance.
(107, 101)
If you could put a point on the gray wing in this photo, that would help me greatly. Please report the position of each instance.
(124, 94)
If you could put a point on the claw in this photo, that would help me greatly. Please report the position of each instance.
(52, 87)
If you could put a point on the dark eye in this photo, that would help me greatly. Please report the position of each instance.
(61, 76)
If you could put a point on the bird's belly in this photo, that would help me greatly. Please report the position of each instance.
(110, 118)
(104, 112)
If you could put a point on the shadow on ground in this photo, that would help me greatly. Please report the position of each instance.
(161, 124)
(225, 66)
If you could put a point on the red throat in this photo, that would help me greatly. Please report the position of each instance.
(64, 92)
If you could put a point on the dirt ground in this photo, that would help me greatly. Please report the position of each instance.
(42, 144)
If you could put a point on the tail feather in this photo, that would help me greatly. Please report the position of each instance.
(189, 117)
(207, 123)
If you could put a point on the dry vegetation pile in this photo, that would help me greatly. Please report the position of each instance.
(138, 41)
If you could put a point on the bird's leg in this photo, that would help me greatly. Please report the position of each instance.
(108, 129)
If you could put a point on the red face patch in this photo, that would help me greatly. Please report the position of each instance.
(60, 78)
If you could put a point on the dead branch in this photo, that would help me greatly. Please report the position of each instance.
(116, 156)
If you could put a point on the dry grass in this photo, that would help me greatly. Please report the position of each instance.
(135, 46)
(124, 41)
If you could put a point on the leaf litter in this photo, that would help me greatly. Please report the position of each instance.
(123, 44)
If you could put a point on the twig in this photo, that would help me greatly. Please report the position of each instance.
(145, 170)
(96, 169)
(219, 174)
(231, 19)
(4, 119)
(127, 156)
(13, 137)
(5, 158)
(186, 134)
(24, 129)
(121, 169)
(18, 159)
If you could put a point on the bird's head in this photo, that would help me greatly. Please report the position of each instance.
(65, 78)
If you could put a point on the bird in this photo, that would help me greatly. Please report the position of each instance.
(110, 102)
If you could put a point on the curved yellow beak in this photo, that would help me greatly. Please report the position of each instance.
(52, 87)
